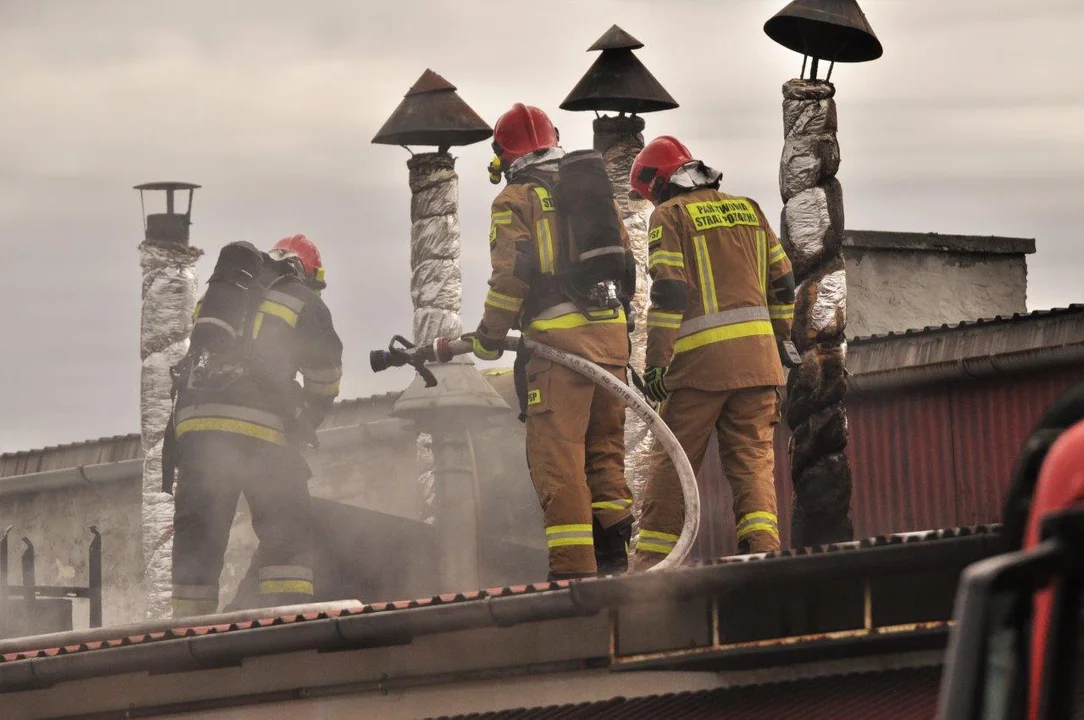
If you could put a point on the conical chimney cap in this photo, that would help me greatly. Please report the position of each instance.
(617, 81)
(616, 39)
(432, 113)
(834, 30)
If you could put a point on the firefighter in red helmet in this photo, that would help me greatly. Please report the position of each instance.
(722, 302)
(575, 431)
(241, 420)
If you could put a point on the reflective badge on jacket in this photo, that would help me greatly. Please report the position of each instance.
(722, 213)
(534, 397)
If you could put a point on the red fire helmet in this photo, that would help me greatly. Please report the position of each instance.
(304, 250)
(655, 164)
(522, 130)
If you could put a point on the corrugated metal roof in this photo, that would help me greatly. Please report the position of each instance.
(129, 447)
(1072, 309)
(908, 694)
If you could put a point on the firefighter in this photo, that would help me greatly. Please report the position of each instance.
(721, 307)
(240, 427)
(575, 430)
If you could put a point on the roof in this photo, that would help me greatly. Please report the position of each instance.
(117, 448)
(993, 323)
(1044, 340)
(650, 638)
(936, 242)
(906, 694)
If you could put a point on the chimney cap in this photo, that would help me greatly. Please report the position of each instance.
(432, 113)
(835, 30)
(166, 185)
(616, 39)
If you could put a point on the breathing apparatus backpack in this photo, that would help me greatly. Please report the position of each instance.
(219, 342)
(595, 270)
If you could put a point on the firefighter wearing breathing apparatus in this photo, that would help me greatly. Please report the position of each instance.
(718, 326)
(241, 419)
(563, 274)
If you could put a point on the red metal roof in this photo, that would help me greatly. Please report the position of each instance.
(34, 647)
(909, 694)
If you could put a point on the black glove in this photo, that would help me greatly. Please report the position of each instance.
(788, 354)
(302, 429)
(655, 383)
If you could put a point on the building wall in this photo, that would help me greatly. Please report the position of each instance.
(58, 523)
(896, 290)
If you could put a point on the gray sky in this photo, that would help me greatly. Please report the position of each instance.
(971, 122)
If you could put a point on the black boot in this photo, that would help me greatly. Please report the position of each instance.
(612, 547)
(554, 577)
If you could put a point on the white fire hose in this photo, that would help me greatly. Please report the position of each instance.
(443, 350)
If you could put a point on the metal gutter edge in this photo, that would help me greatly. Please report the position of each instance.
(973, 368)
(366, 630)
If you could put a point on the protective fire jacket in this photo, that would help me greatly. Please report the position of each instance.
(722, 292)
(525, 251)
(290, 332)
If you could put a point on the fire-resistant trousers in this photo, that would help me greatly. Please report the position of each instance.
(576, 454)
(214, 469)
(745, 420)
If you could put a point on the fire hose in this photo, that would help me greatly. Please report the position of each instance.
(401, 352)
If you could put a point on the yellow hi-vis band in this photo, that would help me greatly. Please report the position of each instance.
(663, 319)
(544, 198)
(302, 587)
(759, 521)
(781, 312)
(274, 309)
(665, 257)
(569, 321)
(778, 254)
(545, 247)
(720, 334)
(240, 427)
(656, 542)
(621, 504)
(323, 389)
(762, 261)
(565, 535)
(501, 301)
(706, 277)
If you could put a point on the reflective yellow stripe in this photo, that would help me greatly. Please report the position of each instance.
(762, 261)
(661, 319)
(303, 587)
(565, 535)
(652, 547)
(557, 529)
(778, 255)
(186, 606)
(502, 218)
(781, 312)
(503, 302)
(758, 521)
(239, 427)
(545, 246)
(195, 313)
(664, 257)
(544, 198)
(612, 504)
(653, 535)
(719, 334)
(769, 528)
(330, 389)
(287, 315)
(707, 278)
(570, 321)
